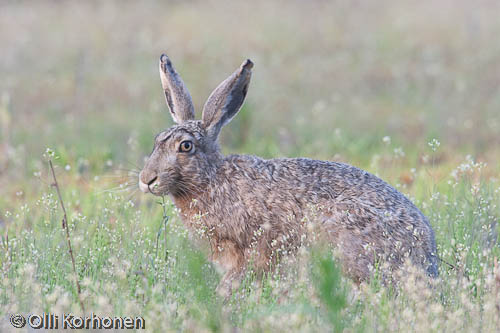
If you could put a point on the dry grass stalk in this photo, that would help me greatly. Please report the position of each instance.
(68, 238)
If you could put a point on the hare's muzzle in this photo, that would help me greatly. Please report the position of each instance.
(144, 187)
(146, 184)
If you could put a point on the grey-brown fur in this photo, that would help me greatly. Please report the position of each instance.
(250, 208)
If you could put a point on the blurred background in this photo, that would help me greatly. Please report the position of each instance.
(354, 81)
(408, 90)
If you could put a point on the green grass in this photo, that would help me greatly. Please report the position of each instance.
(367, 84)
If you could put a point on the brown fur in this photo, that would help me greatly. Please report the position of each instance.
(254, 210)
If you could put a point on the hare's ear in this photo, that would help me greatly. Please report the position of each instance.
(226, 100)
(177, 96)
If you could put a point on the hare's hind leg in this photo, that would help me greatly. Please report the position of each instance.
(356, 258)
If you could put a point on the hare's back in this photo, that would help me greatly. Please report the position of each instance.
(339, 182)
(315, 181)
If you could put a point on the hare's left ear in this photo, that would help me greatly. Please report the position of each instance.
(226, 100)
(178, 99)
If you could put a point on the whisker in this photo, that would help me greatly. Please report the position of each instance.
(119, 177)
(136, 172)
(132, 164)
(134, 192)
(118, 189)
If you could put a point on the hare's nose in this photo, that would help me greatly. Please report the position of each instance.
(145, 182)
(152, 181)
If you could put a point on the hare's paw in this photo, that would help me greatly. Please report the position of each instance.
(229, 283)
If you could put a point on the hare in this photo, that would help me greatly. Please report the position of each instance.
(250, 209)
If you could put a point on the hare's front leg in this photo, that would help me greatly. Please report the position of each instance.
(231, 258)
(230, 282)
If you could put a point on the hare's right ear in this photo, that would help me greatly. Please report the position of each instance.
(226, 100)
(177, 96)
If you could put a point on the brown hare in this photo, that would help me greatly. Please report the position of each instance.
(250, 209)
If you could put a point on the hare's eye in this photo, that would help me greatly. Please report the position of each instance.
(186, 146)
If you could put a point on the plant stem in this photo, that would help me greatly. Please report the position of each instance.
(68, 238)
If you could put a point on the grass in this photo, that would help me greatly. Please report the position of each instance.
(376, 85)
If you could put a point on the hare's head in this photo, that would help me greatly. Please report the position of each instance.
(185, 156)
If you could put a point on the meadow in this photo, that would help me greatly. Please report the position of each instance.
(409, 91)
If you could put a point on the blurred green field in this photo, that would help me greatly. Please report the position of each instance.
(407, 90)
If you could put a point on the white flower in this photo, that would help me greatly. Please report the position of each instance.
(434, 144)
